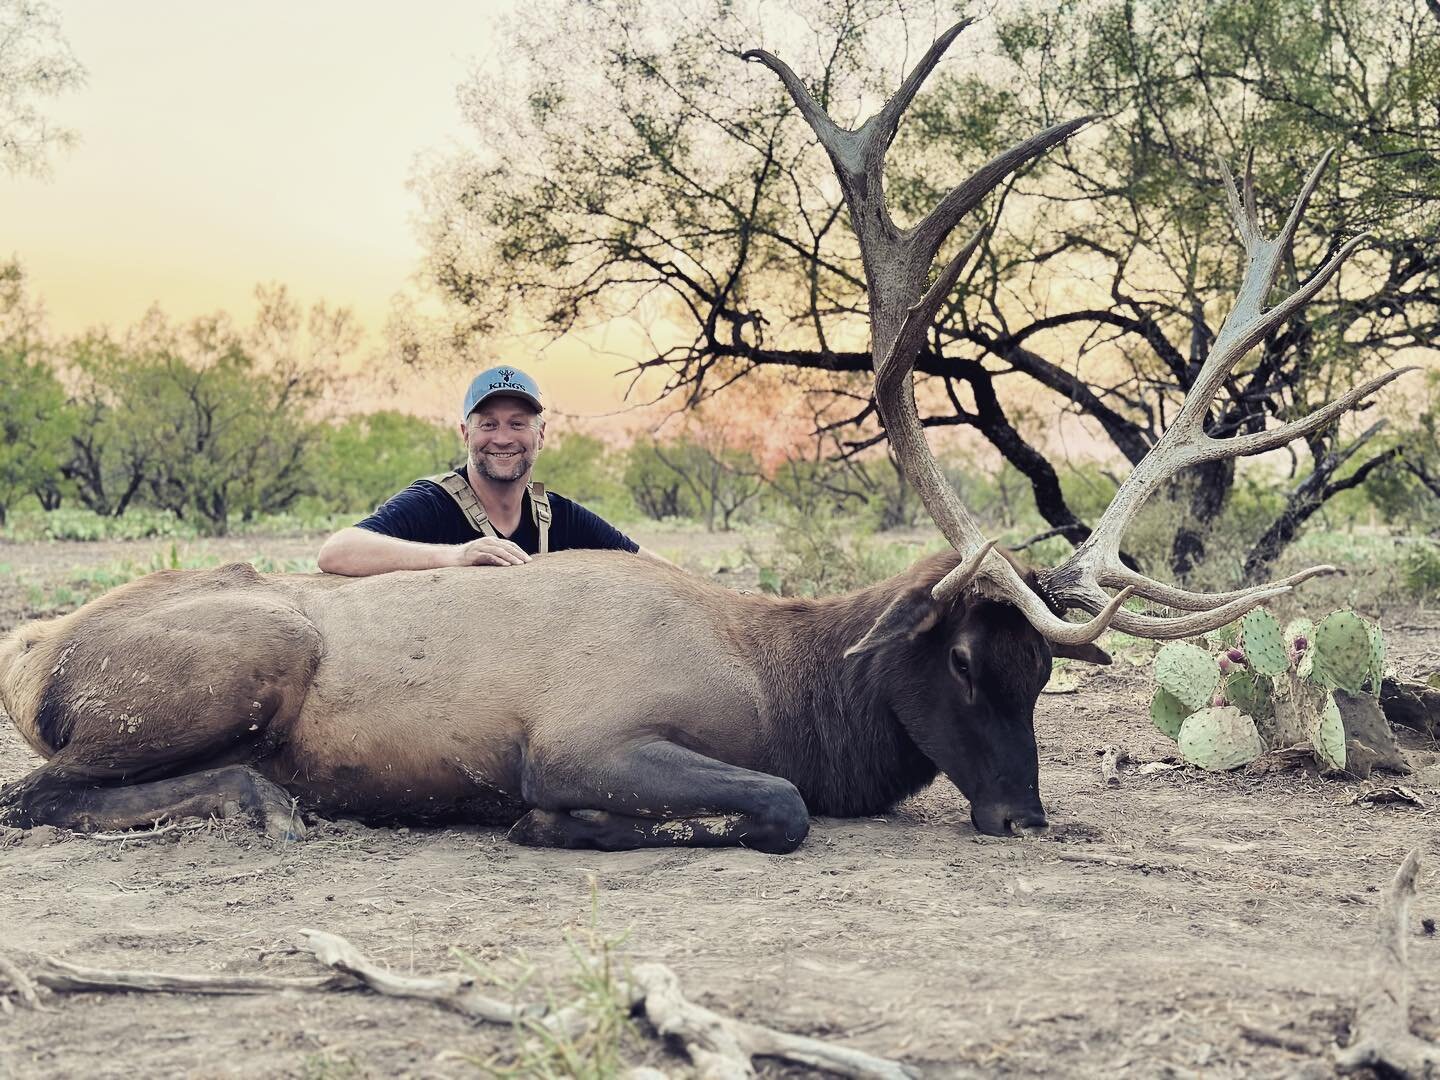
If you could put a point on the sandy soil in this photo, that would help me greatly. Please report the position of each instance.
(1198, 905)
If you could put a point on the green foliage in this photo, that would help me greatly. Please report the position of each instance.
(357, 464)
(84, 585)
(819, 556)
(585, 468)
(1187, 673)
(35, 424)
(1421, 567)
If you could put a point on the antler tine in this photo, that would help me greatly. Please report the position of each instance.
(887, 121)
(1297, 211)
(1261, 441)
(1162, 628)
(1171, 596)
(830, 134)
(930, 233)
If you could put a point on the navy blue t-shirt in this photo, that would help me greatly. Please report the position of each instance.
(425, 512)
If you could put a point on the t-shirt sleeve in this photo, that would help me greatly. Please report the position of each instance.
(590, 530)
(410, 515)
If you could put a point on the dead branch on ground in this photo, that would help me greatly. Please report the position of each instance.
(720, 1047)
(1382, 1036)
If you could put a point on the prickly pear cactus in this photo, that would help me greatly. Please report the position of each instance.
(1168, 712)
(1342, 650)
(1375, 674)
(1187, 673)
(1250, 693)
(1327, 735)
(1264, 643)
(1219, 739)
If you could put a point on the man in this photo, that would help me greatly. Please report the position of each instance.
(486, 513)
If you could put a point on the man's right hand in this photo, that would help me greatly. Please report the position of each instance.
(490, 551)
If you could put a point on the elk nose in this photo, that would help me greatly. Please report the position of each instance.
(1027, 823)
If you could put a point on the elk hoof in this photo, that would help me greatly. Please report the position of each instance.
(284, 826)
(539, 828)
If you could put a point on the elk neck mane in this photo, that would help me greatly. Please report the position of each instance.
(833, 731)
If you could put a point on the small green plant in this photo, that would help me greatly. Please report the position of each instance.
(593, 1043)
(1269, 687)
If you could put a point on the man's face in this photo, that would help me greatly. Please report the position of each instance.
(502, 436)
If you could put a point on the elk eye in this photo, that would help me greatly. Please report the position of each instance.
(958, 665)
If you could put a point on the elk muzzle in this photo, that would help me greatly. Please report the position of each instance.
(1009, 819)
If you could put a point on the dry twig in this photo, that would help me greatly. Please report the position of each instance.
(1382, 1036)
(22, 985)
(722, 1048)
(1112, 758)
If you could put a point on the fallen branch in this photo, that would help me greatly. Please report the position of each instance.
(1382, 1037)
(63, 977)
(144, 834)
(22, 985)
(454, 992)
(720, 1047)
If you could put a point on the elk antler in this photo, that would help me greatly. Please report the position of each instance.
(1095, 565)
(897, 263)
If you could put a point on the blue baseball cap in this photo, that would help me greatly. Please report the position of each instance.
(501, 380)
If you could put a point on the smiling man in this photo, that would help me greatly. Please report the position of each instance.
(487, 512)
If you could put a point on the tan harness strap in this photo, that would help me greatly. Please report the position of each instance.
(540, 507)
(458, 488)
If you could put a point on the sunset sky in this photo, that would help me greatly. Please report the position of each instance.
(224, 145)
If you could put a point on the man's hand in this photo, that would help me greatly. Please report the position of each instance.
(490, 551)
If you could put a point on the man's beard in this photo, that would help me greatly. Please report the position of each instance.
(510, 471)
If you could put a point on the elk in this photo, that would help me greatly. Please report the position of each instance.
(593, 699)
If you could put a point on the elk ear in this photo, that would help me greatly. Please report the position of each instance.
(909, 615)
(1090, 654)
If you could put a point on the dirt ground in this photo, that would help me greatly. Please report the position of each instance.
(1157, 924)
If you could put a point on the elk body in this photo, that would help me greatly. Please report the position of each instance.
(605, 701)
(670, 709)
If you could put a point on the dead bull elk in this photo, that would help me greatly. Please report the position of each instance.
(596, 699)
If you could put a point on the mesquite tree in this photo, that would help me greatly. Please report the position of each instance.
(695, 201)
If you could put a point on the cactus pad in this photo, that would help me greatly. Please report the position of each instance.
(1168, 712)
(1328, 735)
(1250, 693)
(1187, 673)
(1219, 739)
(1342, 650)
(1264, 644)
(1375, 674)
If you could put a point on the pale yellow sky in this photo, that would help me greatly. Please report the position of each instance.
(224, 144)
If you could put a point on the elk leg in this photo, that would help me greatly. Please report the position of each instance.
(51, 796)
(660, 795)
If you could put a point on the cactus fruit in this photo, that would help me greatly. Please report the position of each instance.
(1168, 712)
(1264, 645)
(1187, 673)
(1225, 664)
(1327, 735)
(1300, 628)
(1237, 656)
(1342, 650)
(1219, 739)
